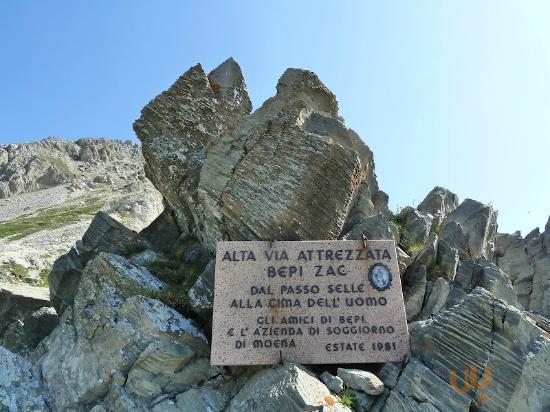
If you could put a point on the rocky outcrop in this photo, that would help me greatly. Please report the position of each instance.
(104, 234)
(527, 261)
(500, 365)
(116, 347)
(290, 170)
(50, 190)
(471, 229)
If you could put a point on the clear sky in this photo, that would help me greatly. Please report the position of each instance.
(449, 93)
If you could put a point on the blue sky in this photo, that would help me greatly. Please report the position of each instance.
(446, 93)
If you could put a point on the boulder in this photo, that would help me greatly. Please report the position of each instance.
(104, 234)
(116, 347)
(213, 162)
(163, 232)
(439, 202)
(416, 225)
(375, 227)
(334, 383)
(289, 387)
(471, 229)
(361, 380)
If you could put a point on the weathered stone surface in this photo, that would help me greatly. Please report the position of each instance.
(205, 399)
(503, 347)
(437, 292)
(19, 389)
(177, 127)
(403, 259)
(201, 294)
(420, 389)
(374, 227)
(480, 272)
(439, 201)
(334, 383)
(365, 381)
(104, 234)
(289, 387)
(471, 229)
(213, 163)
(416, 225)
(414, 290)
(447, 261)
(117, 348)
(527, 261)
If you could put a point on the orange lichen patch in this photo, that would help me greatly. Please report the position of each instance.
(329, 400)
(214, 84)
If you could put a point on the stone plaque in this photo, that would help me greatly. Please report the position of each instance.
(308, 302)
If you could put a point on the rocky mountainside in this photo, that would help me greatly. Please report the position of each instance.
(50, 190)
(128, 323)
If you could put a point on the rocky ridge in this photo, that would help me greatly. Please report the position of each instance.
(50, 190)
(135, 306)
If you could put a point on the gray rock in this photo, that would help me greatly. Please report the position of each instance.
(471, 229)
(201, 294)
(403, 260)
(447, 261)
(420, 389)
(480, 272)
(437, 293)
(527, 261)
(503, 347)
(296, 390)
(361, 380)
(211, 161)
(416, 225)
(117, 347)
(439, 201)
(203, 399)
(20, 390)
(334, 383)
(414, 291)
(163, 233)
(374, 227)
(104, 234)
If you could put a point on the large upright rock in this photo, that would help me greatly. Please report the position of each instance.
(291, 170)
(439, 201)
(471, 229)
(178, 125)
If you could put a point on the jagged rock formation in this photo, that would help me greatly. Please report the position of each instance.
(50, 190)
(135, 307)
(290, 170)
(527, 261)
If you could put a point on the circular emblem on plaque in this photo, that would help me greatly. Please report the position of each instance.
(380, 276)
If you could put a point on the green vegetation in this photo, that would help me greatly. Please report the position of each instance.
(434, 271)
(59, 164)
(19, 271)
(347, 398)
(180, 278)
(436, 227)
(46, 219)
(412, 246)
(44, 273)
